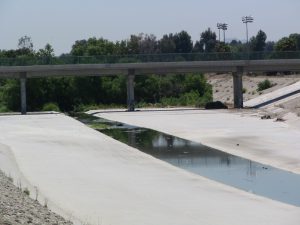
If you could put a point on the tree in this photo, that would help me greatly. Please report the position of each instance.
(296, 39)
(71, 93)
(258, 42)
(222, 47)
(270, 45)
(93, 47)
(237, 46)
(286, 44)
(134, 43)
(25, 43)
(121, 48)
(79, 48)
(166, 44)
(48, 51)
(208, 41)
(99, 46)
(183, 42)
(148, 44)
(198, 47)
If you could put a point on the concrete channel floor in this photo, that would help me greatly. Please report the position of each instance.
(91, 177)
(239, 132)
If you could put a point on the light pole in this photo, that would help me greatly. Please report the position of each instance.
(222, 26)
(219, 26)
(246, 20)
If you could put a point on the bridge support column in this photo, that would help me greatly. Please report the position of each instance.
(23, 93)
(238, 88)
(130, 90)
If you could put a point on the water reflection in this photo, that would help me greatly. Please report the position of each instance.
(213, 164)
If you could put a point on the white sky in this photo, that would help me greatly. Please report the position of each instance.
(62, 22)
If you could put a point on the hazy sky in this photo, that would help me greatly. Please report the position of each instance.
(62, 22)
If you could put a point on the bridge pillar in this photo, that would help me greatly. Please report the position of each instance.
(238, 88)
(130, 90)
(23, 93)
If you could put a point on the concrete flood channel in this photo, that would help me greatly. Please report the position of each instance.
(213, 164)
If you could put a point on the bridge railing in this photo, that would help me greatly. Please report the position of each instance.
(141, 58)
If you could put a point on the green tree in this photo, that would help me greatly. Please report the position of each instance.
(79, 48)
(93, 47)
(286, 44)
(270, 45)
(99, 46)
(208, 41)
(25, 42)
(166, 44)
(183, 42)
(69, 93)
(121, 48)
(258, 42)
(148, 44)
(296, 39)
(222, 47)
(48, 51)
(133, 44)
(10, 94)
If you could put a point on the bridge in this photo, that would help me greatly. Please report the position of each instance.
(134, 65)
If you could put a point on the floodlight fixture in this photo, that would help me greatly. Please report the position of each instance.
(222, 26)
(246, 20)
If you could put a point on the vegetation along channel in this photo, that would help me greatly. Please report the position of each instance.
(229, 169)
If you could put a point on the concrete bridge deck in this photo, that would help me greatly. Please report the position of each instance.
(236, 67)
(151, 68)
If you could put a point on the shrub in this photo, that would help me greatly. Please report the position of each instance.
(26, 191)
(142, 104)
(84, 108)
(171, 101)
(3, 108)
(215, 105)
(263, 85)
(191, 98)
(51, 107)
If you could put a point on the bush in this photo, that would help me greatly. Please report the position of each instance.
(26, 191)
(85, 93)
(84, 108)
(142, 104)
(263, 85)
(191, 98)
(171, 101)
(51, 106)
(215, 105)
(3, 108)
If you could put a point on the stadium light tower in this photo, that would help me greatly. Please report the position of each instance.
(222, 26)
(219, 26)
(246, 20)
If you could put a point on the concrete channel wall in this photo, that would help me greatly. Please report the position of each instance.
(99, 180)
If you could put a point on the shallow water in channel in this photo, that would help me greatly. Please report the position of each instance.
(216, 165)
